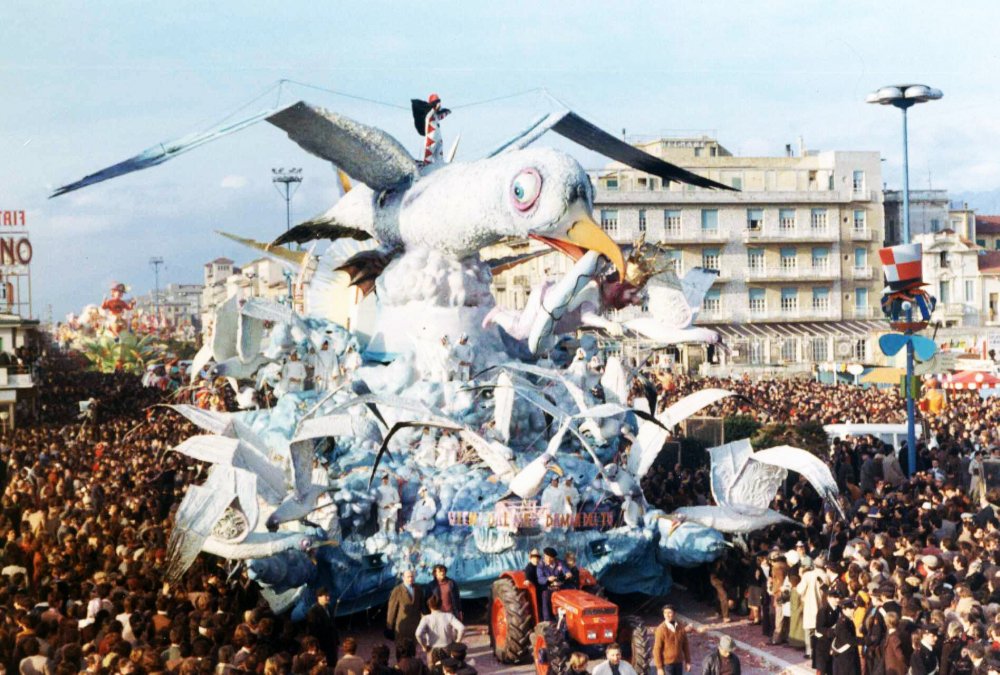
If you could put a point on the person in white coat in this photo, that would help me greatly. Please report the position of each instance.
(388, 502)
(424, 512)
(977, 481)
(293, 374)
(810, 588)
(327, 368)
(448, 449)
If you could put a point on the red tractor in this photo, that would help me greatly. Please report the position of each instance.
(587, 622)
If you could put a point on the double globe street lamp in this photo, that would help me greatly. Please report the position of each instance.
(904, 97)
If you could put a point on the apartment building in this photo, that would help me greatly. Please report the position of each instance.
(951, 272)
(987, 234)
(796, 246)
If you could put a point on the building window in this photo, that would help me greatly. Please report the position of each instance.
(817, 219)
(821, 300)
(789, 259)
(786, 220)
(858, 182)
(755, 219)
(673, 260)
(611, 184)
(755, 258)
(981, 243)
(756, 351)
(790, 350)
(935, 225)
(821, 259)
(860, 258)
(861, 301)
(758, 302)
(644, 183)
(710, 258)
(944, 297)
(609, 220)
(789, 300)
(712, 304)
(970, 291)
(820, 349)
(996, 244)
(710, 220)
(861, 350)
(642, 220)
(672, 222)
(859, 220)
(697, 152)
(737, 183)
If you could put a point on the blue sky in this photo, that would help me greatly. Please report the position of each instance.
(87, 84)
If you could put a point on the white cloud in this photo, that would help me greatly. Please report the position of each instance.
(233, 182)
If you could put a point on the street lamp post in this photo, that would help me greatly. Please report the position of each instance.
(904, 97)
(288, 178)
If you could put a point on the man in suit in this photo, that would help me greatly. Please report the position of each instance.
(405, 604)
(320, 624)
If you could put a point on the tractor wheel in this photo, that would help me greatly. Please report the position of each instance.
(637, 638)
(511, 621)
(551, 650)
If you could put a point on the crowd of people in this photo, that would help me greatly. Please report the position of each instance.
(902, 575)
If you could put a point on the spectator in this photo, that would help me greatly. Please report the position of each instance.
(722, 661)
(614, 664)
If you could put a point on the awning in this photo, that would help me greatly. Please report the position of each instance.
(799, 329)
(883, 376)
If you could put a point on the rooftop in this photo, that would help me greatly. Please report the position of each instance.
(987, 224)
(989, 261)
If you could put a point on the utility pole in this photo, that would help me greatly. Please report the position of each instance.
(288, 178)
(156, 262)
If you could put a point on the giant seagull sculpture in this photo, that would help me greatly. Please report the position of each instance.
(454, 208)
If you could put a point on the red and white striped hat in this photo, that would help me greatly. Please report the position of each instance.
(902, 266)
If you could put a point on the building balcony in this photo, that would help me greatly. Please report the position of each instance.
(781, 235)
(862, 272)
(692, 236)
(861, 234)
(863, 313)
(627, 194)
(797, 314)
(766, 274)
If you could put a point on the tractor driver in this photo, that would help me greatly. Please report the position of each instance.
(531, 573)
(552, 574)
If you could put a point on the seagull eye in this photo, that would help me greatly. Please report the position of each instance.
(525, 189)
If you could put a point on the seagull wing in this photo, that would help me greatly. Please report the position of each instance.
(197, 514)
(209, 420)
(365, 153)
(161, 152)
(568, 124)
(807, 464)
(614, 381)
(311, 229)
(226, 330)
(696, 284)
(209, 448)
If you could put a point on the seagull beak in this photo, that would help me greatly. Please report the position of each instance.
(555, 468)
(582, 235)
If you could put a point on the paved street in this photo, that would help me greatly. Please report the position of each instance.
(756, 656)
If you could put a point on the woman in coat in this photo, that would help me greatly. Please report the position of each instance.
(826, 621)
(846, 660)
(892, 650)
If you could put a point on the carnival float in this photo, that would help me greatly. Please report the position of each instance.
(459, 433)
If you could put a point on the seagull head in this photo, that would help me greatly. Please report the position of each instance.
(539, 193)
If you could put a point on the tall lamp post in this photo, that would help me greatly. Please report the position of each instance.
(287, 178)
(904, 97)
